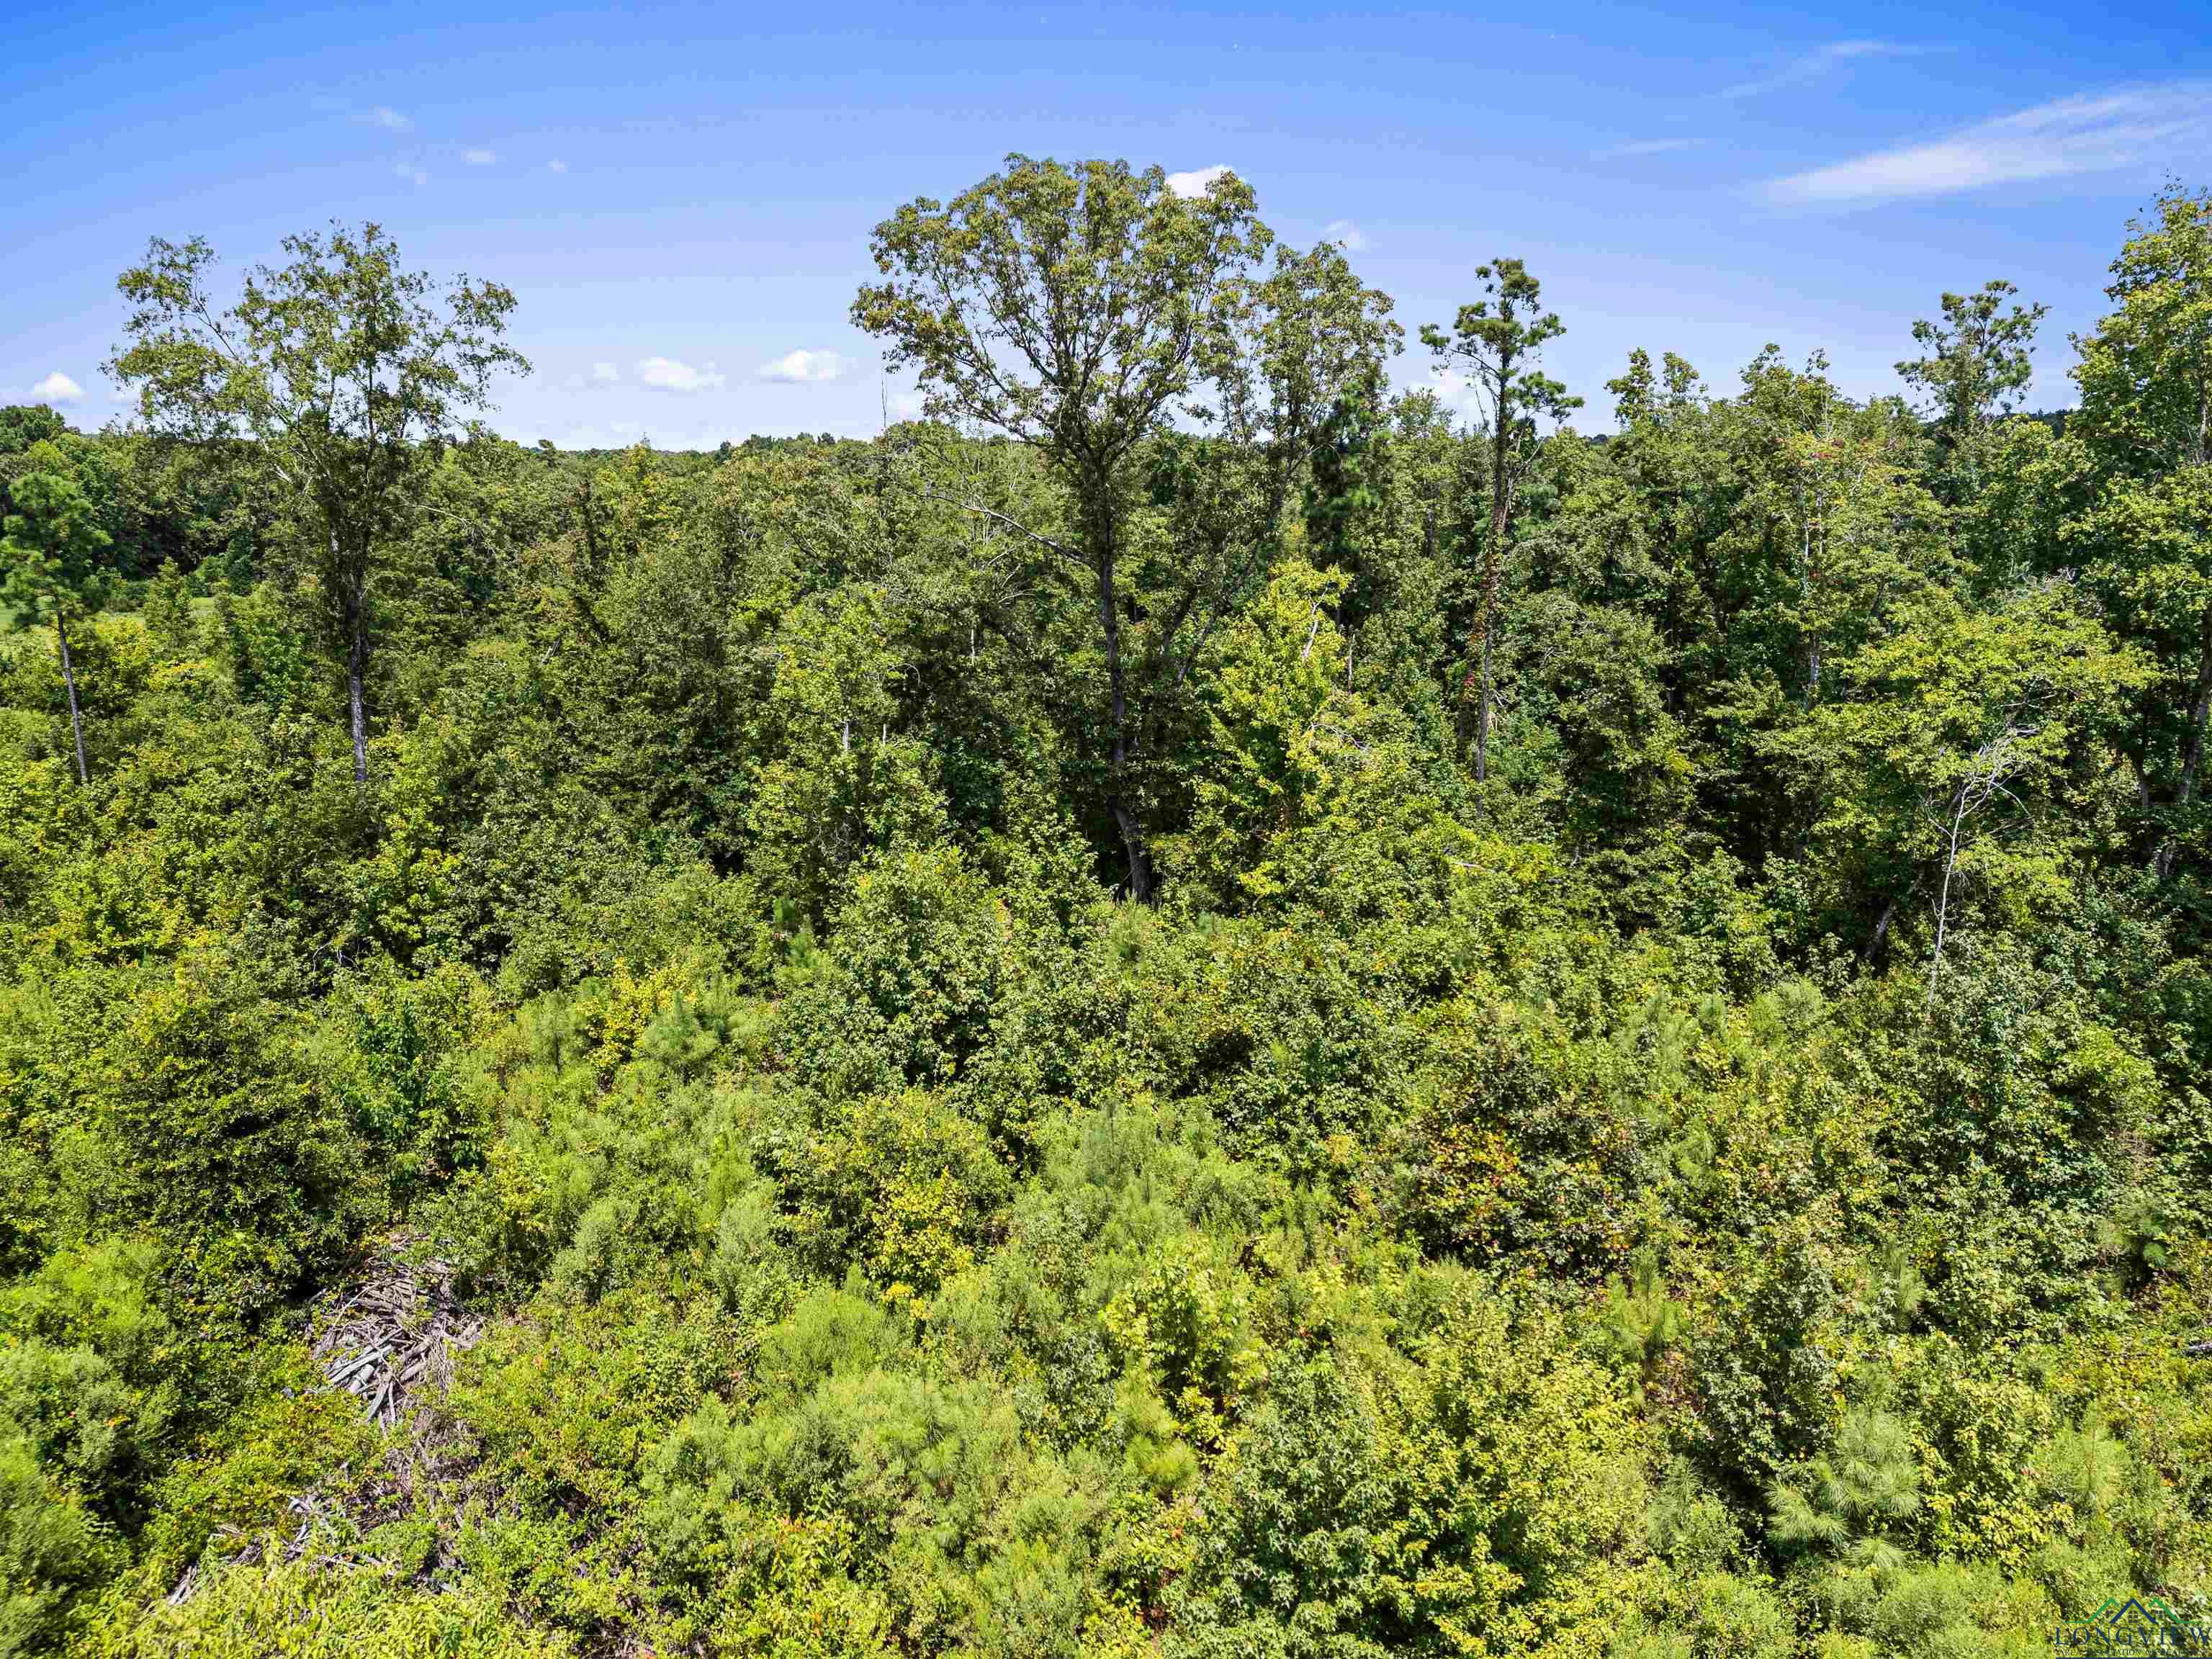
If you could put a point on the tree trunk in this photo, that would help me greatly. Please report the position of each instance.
(68, 679)
(1492, 556)
(1943, 898)
(2193, 759)
(349, 582)
(357, 707)
(1141, 887)
(1101, 552)
(1881, 930)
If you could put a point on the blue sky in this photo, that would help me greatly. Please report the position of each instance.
(680, 195)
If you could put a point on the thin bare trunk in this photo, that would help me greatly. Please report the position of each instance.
(357, 707)
(68, 679)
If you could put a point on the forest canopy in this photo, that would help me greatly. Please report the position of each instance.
(1191, 1007)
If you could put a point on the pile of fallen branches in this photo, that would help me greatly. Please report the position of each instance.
(389, 1340)
(396, 1332)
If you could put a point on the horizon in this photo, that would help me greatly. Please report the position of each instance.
(682, 206)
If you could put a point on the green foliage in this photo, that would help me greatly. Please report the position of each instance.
(949, 1532)
(1853, 1497)
(900, 1186)
(1977, 361)
(1718, 1171)
(911, 977)
(50, 555)
(22, 425)
(52, 1552)
(297, 1610)
(221, 1144)
(50, 560)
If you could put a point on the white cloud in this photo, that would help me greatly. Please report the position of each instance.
(669, 375)
(1199, 180)
(806, 367)
(557, 164)
(57, 388)
(2106, 132)
(1651, 146)
(413, 174)
(604, 374)
(1820, 61)
(479, 157)
(1345, 235)
(1456, 391)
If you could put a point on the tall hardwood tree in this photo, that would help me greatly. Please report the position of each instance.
(1497, 343)
(50, 558)
(1091, 310)
(340, 366)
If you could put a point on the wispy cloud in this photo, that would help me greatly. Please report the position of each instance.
(414, 175)
(1345, 235)
(2103, 132)
(1198, 180)
(806, 367)
(557, 164)
(480, 157)
(383, 115)
(1820, 62)
(604, 374)
(57, 388)
(1650, 147)
(668, 374)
